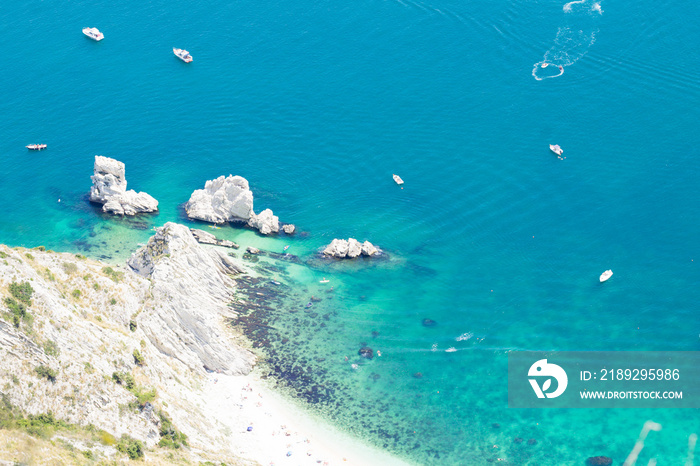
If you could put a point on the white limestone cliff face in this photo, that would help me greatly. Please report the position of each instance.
(225, 199)
(350, 249)
(109, 188)
(191, 290)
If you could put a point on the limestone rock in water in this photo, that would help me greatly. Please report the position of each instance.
(351, 248)
(289, 228)
(225, 199)
(109, 188)
(191, 290)
(252, 250)
(599, 461)
(205, 237)
(265, 221)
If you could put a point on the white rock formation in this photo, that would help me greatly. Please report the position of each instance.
(289, 228)
(350, 249)
(205, 237)
(225, 199)
(229, 199)
(109, 188)
(265, 221)
(191, 291)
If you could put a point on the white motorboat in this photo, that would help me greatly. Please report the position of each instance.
(93, 33)
(556, 149)
(606, 275)
(183, 55)
(398, 179)
(36, 146)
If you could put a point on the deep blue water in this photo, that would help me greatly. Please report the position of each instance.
(317, 103)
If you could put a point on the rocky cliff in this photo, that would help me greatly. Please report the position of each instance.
(91, 342)
(109, 189)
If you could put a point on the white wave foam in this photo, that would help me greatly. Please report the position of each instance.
(464, 336)
(434, 347)
(572, 41)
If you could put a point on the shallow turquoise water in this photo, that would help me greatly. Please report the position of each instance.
(317, 104)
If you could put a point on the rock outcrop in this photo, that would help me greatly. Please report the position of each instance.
(350, 249)
(109, 188)
(289, 228)
(225, 199)
(266, 222)
(204, 237)
(229, 199)
(191, 289)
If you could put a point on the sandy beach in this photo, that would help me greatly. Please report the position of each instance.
(269, 429)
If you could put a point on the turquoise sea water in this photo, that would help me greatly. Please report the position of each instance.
(493, 237)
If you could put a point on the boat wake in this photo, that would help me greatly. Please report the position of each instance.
(572, 41)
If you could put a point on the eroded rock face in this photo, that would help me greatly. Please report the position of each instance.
(225, 199)
(109, 188)
(350, 249)
(266, 222)
(185, 324)
(289, 229)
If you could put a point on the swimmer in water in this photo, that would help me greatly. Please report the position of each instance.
(561, 68)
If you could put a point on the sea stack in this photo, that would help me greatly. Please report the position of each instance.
(229, 199)
(109, 189)
(350, 249)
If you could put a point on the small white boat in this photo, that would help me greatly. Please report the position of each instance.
(93, 33)
(545, 65)
(36, 146)
(183, 55)
(605, 275)
(451, 350)
(324, 280)
(556, 149)
(398, 179)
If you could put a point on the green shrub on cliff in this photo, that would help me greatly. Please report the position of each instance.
(138, 358)
(70, 268)
(169, 436)
(46, 372)
(22, 292)
(132, 447)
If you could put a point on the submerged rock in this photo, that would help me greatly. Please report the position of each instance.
(366, 352)
(429, 323)
(599, 461)
(350, 249)
(109, 189)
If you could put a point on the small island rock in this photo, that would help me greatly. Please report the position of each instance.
(109, 189)
(225, 199)
(350, 248)
(289, 229)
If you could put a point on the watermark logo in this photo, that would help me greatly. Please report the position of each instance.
(544, 369)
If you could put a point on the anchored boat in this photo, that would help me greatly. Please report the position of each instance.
(605, 275)
(93, 33)
(183, 55)
(36, 146)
